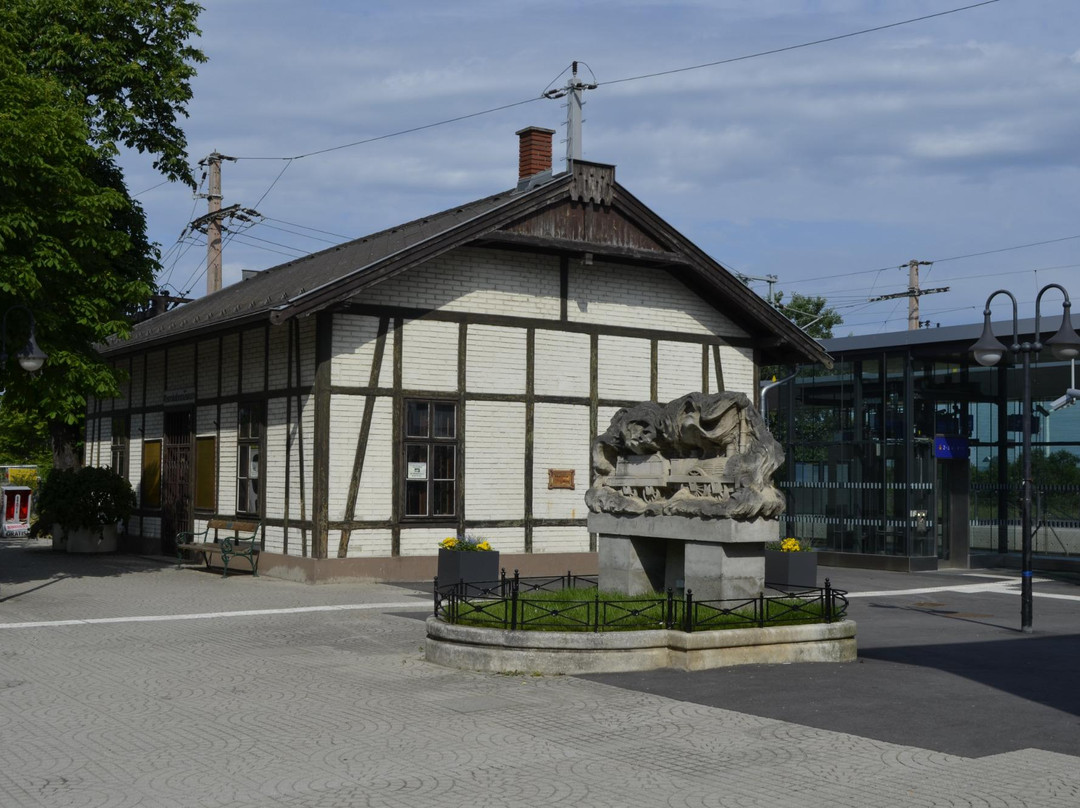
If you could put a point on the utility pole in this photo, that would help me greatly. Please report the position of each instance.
(572, 91)
(913, 301)
(769, 279)
(213, 221)
(913, 292)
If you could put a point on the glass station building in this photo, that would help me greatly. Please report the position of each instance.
(907, 455)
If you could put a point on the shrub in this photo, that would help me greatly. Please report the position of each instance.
(89, 497)
(27, 477)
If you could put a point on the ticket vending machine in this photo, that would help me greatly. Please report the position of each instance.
(16, 504)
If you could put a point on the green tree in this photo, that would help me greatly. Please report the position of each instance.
(812, 314)
(78, 78)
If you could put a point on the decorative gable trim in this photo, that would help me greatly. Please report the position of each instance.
(593, 182)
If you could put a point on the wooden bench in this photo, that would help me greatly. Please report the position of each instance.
(244, 542)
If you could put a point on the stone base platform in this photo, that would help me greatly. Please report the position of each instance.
(571, 652)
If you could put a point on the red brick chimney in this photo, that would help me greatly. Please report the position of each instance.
(534, 151)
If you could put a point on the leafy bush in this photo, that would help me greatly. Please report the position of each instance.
(27, 477)
(85, 498)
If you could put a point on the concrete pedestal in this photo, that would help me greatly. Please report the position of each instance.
(715, 558)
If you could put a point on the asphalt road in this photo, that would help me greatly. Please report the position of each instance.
(946, 669)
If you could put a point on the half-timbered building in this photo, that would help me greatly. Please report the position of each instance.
(440, 377)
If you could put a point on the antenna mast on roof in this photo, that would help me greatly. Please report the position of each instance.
(572, 91)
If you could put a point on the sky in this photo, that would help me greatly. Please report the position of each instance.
(954, 139)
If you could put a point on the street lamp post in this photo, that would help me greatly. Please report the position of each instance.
(988, 350)
(31, 357)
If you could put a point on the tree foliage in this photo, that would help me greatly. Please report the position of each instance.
(812, 314)
(77, 78)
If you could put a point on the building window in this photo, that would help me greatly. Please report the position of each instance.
(151, 474)
(205, 473)
(430, 458)
(249, 431)
(120, 437)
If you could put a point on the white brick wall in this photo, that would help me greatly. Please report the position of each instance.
(365, 543)
(204, 420)
(346, 414)
(738, 364)
(678, 369)
(469, 279)
(561, 440)
(155, 382)
(423, 541)
(562, 364)
(615, 294)
(495, 460)
(152, 425)
(279, 356)
(568, 539)
(355, 338)
(230, 364)
(307, 351)
(274, 539)
(623, 367)
(253, 360)
(603, 420)
(273, 467)
(227, 461)
(495, 360)
(181, 369)
(374, 498)
(207, 370)
(429, 357)
(503, 539)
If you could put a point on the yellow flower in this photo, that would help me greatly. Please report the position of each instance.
(449, 543)
(790, 545)
(483, 545)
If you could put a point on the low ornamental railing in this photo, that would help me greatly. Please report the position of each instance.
(511, 603)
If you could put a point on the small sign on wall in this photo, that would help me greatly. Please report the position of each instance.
(416, 471)
(561, 478)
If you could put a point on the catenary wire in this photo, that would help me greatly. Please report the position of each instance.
(799, 46)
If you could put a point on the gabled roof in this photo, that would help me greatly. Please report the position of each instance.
(578, 212)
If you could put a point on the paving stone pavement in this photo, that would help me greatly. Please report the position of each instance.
(324, 706)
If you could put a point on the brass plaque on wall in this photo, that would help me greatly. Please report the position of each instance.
(561, 478)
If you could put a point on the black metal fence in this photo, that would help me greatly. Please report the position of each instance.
(512, 603)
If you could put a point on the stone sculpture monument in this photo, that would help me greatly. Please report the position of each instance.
(683, 497)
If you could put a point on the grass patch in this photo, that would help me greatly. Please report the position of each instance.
(589, 610)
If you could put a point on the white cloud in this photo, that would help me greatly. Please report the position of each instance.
(948, 136)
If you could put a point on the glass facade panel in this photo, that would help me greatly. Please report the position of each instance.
(894, 451)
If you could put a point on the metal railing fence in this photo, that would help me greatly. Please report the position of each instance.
(507, 604)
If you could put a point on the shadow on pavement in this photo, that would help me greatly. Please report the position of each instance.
(29, 562)
(1038, 669)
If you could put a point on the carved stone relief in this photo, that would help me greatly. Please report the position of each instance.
(705, 455)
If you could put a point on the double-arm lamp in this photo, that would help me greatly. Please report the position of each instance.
(988, 350)
(31, 357)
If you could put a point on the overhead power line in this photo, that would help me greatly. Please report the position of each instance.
(786, 48)
(937, 260)
(717, 63)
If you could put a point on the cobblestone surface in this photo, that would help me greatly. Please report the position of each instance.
(318, 709)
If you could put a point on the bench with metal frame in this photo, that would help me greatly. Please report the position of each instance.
(244, 542)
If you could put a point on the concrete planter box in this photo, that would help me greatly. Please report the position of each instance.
(470, 567)
(86, 540)
(791, 569)
(574, 652)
